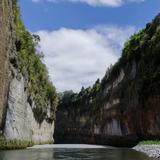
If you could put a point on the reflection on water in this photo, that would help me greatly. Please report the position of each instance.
(73, 154)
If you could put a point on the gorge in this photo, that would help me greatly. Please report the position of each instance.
(120, 110)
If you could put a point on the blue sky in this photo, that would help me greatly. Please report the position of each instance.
(81, 38)
(47, 15)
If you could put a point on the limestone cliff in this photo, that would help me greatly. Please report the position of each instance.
(27, 98)
(124, 107)
(20, 122)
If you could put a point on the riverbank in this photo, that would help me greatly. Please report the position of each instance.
(70, 146)
(151, 148)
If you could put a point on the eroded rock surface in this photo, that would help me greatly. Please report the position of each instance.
(20, 122)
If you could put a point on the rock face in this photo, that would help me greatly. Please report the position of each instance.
(126, 106)
(17, 119)
(20, 122)
(150, 150)
(5, 50)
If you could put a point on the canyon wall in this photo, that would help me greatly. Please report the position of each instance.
(5, 50)
(21, 117)
(124, 107)
(20, 122)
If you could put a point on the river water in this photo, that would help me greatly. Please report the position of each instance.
(73, 152)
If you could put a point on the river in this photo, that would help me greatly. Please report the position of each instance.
(73, 152)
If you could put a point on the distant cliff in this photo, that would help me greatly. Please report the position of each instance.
(28, 100)
(124, 107)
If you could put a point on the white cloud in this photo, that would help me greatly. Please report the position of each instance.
(76, 58)
(113, 3)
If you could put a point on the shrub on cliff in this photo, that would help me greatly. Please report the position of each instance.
(133, 43)
(39, 87)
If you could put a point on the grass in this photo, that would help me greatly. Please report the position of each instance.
(149, 142)
(6, 144)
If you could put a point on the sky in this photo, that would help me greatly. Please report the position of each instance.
(80, 39)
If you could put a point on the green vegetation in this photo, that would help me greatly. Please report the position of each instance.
(6, 144)
(12, 144)
(39, 87)
(84, 97)
(133, 43)
(149, 142)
